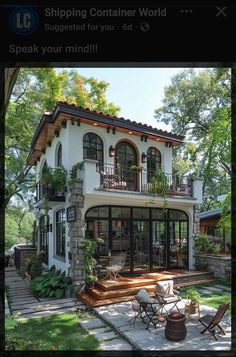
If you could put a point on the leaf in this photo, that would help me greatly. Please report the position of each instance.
(59, 293)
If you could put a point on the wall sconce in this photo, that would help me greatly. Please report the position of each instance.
(111, 151)
(144, 157)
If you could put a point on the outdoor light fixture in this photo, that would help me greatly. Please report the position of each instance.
(144, 157)
(111, 151)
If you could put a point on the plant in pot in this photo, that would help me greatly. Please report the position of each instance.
(89, 249)
(193, 296)
(59, 179)
(47, 178)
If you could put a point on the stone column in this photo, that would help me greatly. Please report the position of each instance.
(76, 234)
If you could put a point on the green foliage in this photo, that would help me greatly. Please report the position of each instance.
(36, 91)
(11, 322)
(204, 245)
(52, 284)
(89, 249)
(192, 294)
(73, 172)
(51, 333)
(198, 105)
(18, 225)
(54, 178)
(34, 265)
(225, 220)
(159, 185)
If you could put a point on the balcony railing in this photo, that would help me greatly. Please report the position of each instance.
(123, 178)
(46, 191)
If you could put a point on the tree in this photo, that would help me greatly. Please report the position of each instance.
(198, 105)
(18, 225)
(36, 91)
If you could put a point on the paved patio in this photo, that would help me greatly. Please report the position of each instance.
(120, 316)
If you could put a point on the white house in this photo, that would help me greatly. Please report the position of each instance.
(111, 196)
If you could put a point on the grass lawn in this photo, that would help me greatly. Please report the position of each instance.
(214, 299)
(56, 332)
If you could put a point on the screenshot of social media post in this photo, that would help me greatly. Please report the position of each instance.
(117, 178)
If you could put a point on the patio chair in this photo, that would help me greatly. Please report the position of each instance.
(113, 181)
(115, 266)
(148, 308)
(211, 321)
(167, 295)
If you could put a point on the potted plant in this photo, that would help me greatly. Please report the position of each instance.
(47, 178)
(89, 248)
(193, 296)
(59, 179)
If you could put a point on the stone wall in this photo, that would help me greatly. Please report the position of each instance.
(76, 234)
(219, 266)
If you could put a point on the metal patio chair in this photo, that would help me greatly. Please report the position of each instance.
(212, 321)
(115, 266)
(148, 308)
(167, 295)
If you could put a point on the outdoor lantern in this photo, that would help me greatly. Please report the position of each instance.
(111, 151)
(144, 157)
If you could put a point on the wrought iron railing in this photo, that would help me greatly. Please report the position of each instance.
(46, 191)
(140, 180)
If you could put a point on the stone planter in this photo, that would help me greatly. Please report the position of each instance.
(175, 329)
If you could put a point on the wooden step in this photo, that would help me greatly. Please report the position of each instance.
(109, 285)
(103, 295)
(195, 282)
(90, 301)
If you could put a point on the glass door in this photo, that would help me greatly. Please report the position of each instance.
(178, 244)
(159, 245)
(125, 158)
(140, 251)
(120, 239)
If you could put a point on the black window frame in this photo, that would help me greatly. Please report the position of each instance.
(59, 156)
(153, 161)
(95, 149)
(60, 242)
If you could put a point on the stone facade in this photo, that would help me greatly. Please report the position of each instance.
(76, 234)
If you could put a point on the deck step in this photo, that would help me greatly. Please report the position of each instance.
(90, 301)
(195, 282)
(103, 295)
(108, 292)
(127, 284)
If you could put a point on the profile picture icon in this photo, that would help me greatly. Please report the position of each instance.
(23, 20)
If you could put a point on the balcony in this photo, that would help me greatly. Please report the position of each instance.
(48, 192)
(121, 178)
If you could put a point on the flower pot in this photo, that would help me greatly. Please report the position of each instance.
(175, 329)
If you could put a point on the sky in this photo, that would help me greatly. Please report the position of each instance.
(137, 91)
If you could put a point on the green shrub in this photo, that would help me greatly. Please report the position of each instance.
(35, 265)
(52, 284)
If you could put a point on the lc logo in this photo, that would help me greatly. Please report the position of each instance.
(23, 20)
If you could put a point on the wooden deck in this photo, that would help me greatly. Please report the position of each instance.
(108, 292)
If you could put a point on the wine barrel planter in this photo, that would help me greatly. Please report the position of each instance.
(175, 329)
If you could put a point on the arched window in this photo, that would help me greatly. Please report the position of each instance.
(59, 156)
(93, 147)
(153, 161)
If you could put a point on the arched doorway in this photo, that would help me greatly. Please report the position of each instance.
(125, 158)
(153, 239)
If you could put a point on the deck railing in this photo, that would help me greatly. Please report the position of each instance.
(123, 178)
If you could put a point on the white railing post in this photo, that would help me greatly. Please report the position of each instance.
(91, 177)
(197, 189)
